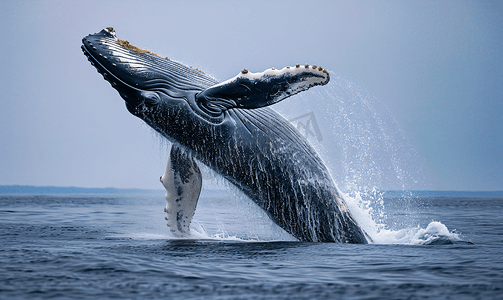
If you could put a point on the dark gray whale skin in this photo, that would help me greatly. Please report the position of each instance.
(255, 149)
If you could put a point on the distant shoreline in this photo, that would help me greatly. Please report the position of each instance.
(427, 193)
(29, 189)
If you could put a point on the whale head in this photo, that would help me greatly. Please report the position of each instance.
(146, 80)
(142, 78)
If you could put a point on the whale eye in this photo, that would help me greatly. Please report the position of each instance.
(150, 98)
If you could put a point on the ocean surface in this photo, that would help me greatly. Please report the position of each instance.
(441, 245)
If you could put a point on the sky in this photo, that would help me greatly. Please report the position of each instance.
(434, 67)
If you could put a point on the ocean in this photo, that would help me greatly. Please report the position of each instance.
(426, 245)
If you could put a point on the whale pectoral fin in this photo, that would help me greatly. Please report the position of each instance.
(253, 90)
(182, 181)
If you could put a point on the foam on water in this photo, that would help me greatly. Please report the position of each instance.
(198, 232)
(380, 233)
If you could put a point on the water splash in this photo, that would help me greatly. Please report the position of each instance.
(362, 144)
(376, 227)
(367, 153)
(226, 213)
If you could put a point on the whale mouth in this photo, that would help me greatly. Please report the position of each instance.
(129, 68)
(111, 60)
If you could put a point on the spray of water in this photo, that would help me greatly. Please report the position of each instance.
(368, 154)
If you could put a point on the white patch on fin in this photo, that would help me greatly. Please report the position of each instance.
(182, 181)
(253, 90)
(321, 76)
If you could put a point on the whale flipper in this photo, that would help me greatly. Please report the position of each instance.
(253, 90)
(182, 181)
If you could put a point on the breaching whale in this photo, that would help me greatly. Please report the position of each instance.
(229, 127)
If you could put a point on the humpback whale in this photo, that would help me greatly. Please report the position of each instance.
(230, 127)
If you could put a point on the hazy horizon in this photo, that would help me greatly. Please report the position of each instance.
(35, 189)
